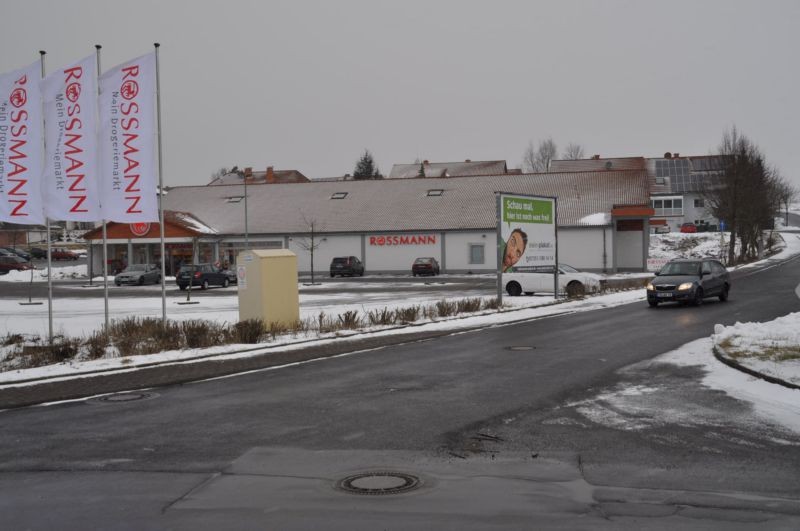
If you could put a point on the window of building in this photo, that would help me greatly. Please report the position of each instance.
(699, 203)
(476, 253)
(667, 206)
(339, 195)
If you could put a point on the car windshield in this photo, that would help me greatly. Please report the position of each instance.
(423, 260)
(188, 269)
(567, 268)
(681, 269)
(340, 260)
(136, 267)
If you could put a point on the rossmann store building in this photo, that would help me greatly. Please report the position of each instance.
(603, 222)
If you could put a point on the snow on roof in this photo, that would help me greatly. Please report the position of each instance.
(598, 218)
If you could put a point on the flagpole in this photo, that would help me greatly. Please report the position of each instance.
(42, 53)
(105, 233)
(161, 194)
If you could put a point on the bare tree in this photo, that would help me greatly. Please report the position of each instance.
(310, 243)
(786, 193)
(744, 194)
(573, 151)
(219, 173)
(538, 159)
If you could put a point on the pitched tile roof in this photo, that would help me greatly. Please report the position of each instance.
(403, 204)
(449, 169)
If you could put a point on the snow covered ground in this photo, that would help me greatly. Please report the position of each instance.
(685, 245)
(771, 348)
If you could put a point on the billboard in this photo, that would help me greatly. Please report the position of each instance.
(526, 232)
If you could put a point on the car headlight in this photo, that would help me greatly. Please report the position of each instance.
(684, 286)
(650, 287)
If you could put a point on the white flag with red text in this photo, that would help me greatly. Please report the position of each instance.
(70, 179)
(21, 147)
(128, 163)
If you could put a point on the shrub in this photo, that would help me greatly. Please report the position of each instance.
(249, 331)
(200, 334)
(491, 304)
(468, 305)
(407, 315)
(349, 320)
(96, 345)
(13, 339)
(144, 335)
(445, 309)
(382, 317)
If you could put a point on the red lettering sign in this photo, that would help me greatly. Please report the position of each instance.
(427, 239)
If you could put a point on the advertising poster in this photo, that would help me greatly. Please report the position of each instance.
(527, 232)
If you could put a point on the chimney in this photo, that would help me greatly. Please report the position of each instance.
(595, 157)
(676, 155)
(248, 173)
(667, 155)
(425, 162)
(270, 177)
(467, 160)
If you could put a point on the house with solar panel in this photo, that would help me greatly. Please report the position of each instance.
(676, 184)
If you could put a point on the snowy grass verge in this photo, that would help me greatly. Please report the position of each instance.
(771, 348)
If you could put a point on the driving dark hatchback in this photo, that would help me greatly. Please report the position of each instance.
(689, 281)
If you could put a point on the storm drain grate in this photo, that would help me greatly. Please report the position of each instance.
(521, 347)
(379, 483)
(123, 397)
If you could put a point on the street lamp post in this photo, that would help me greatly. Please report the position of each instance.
(246, 232)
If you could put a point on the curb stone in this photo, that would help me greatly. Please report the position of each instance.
(725, 358)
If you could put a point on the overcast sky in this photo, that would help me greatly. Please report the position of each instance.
(310, 85)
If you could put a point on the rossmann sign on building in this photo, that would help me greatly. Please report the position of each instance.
(397, 240)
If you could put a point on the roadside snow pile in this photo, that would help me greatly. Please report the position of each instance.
(40, 275)
(689, 245)
(771, 348)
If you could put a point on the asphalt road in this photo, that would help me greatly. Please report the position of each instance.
(497, 423)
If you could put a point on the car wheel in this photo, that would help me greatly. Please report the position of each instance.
(724, 295)
(413, 274)
(204, 285)
(141, 281)
(653, 304)
(514, 289)
(332, 275)
(181, 287)
(158, 279)
(226, 283)
(118, 283)
(575, 289)
(698, 297)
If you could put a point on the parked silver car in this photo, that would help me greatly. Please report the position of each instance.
(139, 274)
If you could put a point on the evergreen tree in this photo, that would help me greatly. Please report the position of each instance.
(421, 172)
(365, 167)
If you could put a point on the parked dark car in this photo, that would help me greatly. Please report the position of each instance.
(689, 227)
(203, 275)
(139, 274)
(62, 253)
(689, 281)
(425, 266)
(16, 252)
(13, 263)
(347, 265)
(231, 274)
(39, 253)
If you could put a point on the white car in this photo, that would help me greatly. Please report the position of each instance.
(539, 279)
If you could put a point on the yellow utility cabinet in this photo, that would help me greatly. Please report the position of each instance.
(267, 285)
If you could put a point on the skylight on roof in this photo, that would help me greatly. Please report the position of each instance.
(234, 199)
(436, 192)
(339, 195)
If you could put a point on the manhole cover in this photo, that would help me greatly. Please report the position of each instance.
(521, 347)
(379, 483)
(123, 397)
